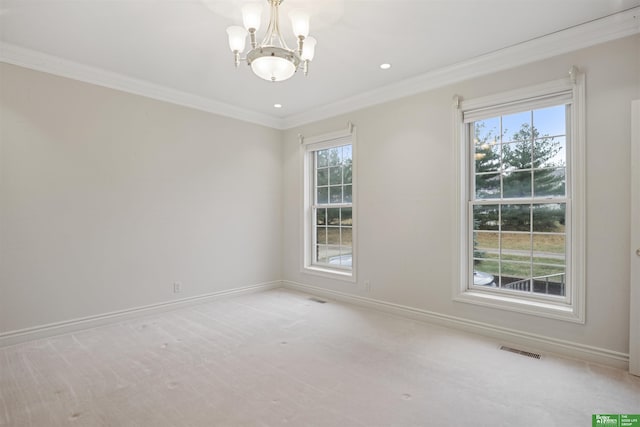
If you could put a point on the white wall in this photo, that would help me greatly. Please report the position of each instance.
(407, 191)
(107, 198)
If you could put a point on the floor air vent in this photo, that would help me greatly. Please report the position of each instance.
(520, 352)
(314, 299)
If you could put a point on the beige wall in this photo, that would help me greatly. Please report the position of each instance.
(107, 198)
(406, 196)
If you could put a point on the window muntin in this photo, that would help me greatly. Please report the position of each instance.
(332, 209)
(518, 202)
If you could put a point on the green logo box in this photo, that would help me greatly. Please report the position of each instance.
(615, 420)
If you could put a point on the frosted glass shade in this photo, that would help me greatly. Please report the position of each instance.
(308, 49)
(251, 13)
(299, 22)
(273, 68)
(237, 38)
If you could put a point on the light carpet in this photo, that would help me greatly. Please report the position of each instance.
(277, 358)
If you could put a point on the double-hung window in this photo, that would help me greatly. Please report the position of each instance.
(522, 199)
(329, 204)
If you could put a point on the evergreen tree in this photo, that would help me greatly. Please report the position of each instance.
(528, 153)
(487, 162)
(531, 151)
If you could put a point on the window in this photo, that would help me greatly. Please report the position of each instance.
(522, 199)
(329, 204)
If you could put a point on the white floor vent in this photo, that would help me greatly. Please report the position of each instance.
(314, 299)
(520, 352)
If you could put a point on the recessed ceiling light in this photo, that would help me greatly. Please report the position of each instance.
(385, 66)
(277, 105)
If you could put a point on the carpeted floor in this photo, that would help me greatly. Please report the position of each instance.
(277, 358)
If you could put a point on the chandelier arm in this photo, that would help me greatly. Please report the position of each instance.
(273, 30)
(252, 35)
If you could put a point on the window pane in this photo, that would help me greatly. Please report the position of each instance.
(486, 130)
(549, 280)
(335, 156)
(345, 259)
(322, 177)
(517, 155)
(348, 197)
(347, 236)
(517, 184)
(549, 248)
(550, 121)
(333, 255)
(487, 157)
(486, 245)
(321, 216)
(549, 217)
(488, 241)
(321, 235)
(322, 158)
(516, 246)
(516, 276)
(549, 182)
(333, 235)
(550, 152)
(488, 186)
(335, 194)
(347, 154)
(333, 216)
(516, 127)
(347, 173)
(516, 217)
(486, 273)
(335, 175)
(322, 253)
(347, 218)
(323, 195)
(485, 217)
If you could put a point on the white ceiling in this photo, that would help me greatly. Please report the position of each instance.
(177, 49)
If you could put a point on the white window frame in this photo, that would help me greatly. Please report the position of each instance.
(309, 145)
(571, 308)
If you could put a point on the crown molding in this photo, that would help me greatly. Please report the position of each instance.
(39, 61)
(598, 31)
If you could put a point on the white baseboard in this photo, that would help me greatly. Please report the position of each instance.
(74, 325)
(504, 335)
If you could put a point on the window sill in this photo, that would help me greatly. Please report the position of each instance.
(347, 276)
(537, 308)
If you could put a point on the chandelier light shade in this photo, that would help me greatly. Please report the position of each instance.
(237, 38)
(272, 59)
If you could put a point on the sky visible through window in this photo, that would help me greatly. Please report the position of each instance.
(547, 121)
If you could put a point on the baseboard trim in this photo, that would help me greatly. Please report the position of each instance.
(504, 335)
(74, 325)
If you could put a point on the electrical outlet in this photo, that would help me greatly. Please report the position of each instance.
(367, 285)
(177, 287)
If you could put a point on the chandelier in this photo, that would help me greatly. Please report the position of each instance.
(272, 59)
